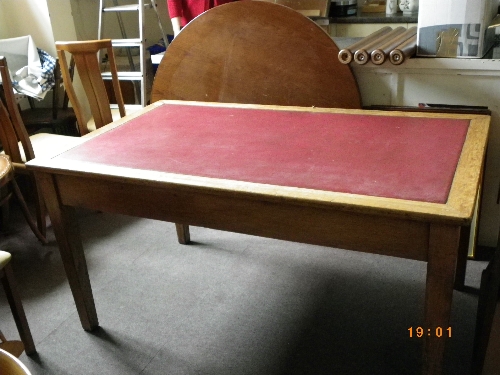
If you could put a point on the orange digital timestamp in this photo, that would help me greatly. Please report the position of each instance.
(431, 332)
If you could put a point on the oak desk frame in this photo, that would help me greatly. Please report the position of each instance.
(408, 229)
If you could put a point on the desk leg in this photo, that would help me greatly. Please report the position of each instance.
(68, 238)
(183, 233)
(463, 253)
(441, 264)
(488, 298)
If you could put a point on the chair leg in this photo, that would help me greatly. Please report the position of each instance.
(183, 233)
(11, 291)
(27, 214)
(5, 211)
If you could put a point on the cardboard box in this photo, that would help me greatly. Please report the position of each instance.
(455, 28)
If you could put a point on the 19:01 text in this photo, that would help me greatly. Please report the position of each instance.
(435, 332)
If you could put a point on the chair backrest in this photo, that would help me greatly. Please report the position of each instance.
(85, 55)
(10, 365)
(258, 53)
(12, 130)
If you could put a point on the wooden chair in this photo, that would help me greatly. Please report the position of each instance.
(10, 365)
(85, 55)
(254, 52)
(20, 146)
(16, 306)
(60, 117)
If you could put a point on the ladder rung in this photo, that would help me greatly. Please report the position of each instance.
(132, 76)
(134, 107)
(125, 8)
(135, 42)
(121, 8)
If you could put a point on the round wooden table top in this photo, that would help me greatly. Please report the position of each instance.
(255, 52)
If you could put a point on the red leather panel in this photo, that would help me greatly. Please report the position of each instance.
(398, 157)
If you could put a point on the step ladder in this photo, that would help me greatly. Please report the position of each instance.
(138, 70)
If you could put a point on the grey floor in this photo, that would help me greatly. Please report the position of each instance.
(227, 304)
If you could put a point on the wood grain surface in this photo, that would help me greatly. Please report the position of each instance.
(258, 53)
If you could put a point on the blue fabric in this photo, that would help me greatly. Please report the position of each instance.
(48, 65)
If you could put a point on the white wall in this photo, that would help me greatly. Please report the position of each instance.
(27, 17)
(61, 18)
(63, 28)
(3, 24)
(86, 19)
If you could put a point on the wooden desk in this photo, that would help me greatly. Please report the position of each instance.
(398, 184)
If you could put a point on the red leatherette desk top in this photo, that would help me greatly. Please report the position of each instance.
(411, 158)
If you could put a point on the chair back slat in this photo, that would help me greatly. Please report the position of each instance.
(8, 136)
(13, 130)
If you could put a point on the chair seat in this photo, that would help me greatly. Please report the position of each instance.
(14, 347)
(5, 169)
(46, 145)
(10, 365)
(4, 258)
(115, 113)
